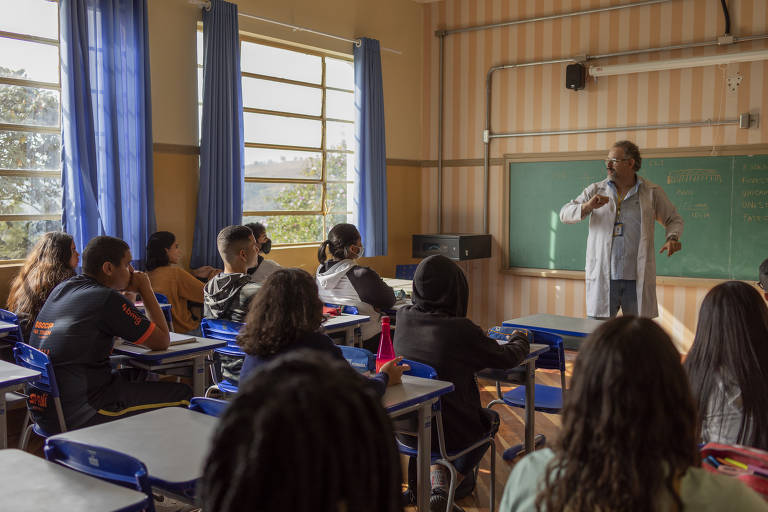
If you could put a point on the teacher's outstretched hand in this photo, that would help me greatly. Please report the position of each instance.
(672, 246)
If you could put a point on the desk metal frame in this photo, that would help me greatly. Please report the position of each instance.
(11, 376)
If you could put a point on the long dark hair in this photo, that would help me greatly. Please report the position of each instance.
(340, 238)
(285, 308)
(303, 434)
(46, 266)
(629, 423)
(731, 343)
(156, 249)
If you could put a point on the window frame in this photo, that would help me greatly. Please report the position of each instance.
(323, 180)
(56, 130)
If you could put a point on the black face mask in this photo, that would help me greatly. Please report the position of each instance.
(266, 246)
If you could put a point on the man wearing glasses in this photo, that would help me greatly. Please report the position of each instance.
(763, 278)
(621, 266)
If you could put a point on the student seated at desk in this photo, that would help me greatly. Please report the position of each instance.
(762, 276)
(342, 281)
(163, 255)
(728, 366)
(435, 330)
(228, 294)
(52, 260)
(285, 316)
(303, 435)
(264, 267)
(76, 328)
(628, 440)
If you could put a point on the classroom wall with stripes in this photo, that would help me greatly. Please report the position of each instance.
(535, 99)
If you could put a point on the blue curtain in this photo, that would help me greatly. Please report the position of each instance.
(220, 195)
(106, 122)
(370, 164)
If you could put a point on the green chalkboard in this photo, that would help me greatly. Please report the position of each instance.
(723, 201)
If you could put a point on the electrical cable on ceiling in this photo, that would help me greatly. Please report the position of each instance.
(727, 18)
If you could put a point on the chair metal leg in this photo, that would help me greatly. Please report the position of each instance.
(452, 486)
(25, 437)
(493, 475)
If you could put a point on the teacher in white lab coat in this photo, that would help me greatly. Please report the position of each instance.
(621, 258)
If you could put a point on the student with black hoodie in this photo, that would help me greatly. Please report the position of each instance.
(341, 280)
(228, 294)
(435, 330)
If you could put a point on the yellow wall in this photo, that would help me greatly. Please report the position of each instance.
(535, 98)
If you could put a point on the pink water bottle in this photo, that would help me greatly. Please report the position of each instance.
(386, 351)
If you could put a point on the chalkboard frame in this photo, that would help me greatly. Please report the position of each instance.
(693, 151)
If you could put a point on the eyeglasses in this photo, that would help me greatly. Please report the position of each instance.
(761, 285)
(615, 161)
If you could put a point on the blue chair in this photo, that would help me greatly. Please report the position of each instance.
(360, 359)
(345, 309)
(162, 299)
(15, 336)
(226, 330)
(443, 457)
(209, 406)
(405, 271)
(34, 359)
(548, 399)
(104, 464)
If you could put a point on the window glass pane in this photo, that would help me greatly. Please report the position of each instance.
(267, 60)
(340, 105)
(18, 237)
(340, 135)
(292, 229)
(33, 61)
(30, 17)
(30, 195)
(338, 197)
(287, 131)
(268, 95)
(339, 73)
(340, 166)
(29, 105)
(276, 163)
(282, 196)
(336, 218)
(23, 150)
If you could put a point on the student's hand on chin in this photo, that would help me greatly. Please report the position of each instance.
(394, 370)
(138, 283)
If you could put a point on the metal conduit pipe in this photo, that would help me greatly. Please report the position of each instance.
(440, 140)
(488, 136)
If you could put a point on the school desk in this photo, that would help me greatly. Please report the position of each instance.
(346, 324)
(417, 394)
(11, 376)
(164, 307)
(6, 327)
(570, 328)
(187, 354)
(32, 484)
(172, 442)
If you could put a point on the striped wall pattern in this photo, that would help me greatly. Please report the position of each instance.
(535, 98)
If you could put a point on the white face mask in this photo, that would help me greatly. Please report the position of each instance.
(359, 254)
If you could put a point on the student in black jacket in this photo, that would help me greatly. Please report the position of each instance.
(436, 331)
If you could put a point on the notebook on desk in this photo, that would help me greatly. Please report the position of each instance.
(176, 339)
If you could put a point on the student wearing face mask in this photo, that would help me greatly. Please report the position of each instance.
(340, 280)
(264, 267)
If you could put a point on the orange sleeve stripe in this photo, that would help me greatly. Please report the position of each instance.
(144, 337)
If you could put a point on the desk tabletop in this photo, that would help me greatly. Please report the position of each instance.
(344, 320)
(163, 305)
(30, 483)
(12, 374)
(172, 442)
(399, 284)
(139, 353)
(412, 391)
(557, 324)
(7, 326)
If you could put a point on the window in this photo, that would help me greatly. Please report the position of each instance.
(298, 121)
(30, 124)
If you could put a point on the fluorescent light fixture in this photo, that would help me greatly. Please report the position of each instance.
(688, 62)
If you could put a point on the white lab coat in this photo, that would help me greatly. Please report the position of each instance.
(654, 204)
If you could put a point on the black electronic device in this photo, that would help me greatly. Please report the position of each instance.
(456, 246)
(575, 77)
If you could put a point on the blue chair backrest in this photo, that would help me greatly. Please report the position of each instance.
(115, 467)
(209, 406)
(34, 359)
(349, 310)
(405, 271)
(360, 359)
(554, 358)
(226, 330)
(420, 370)
(162, 299)
(13, 336)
